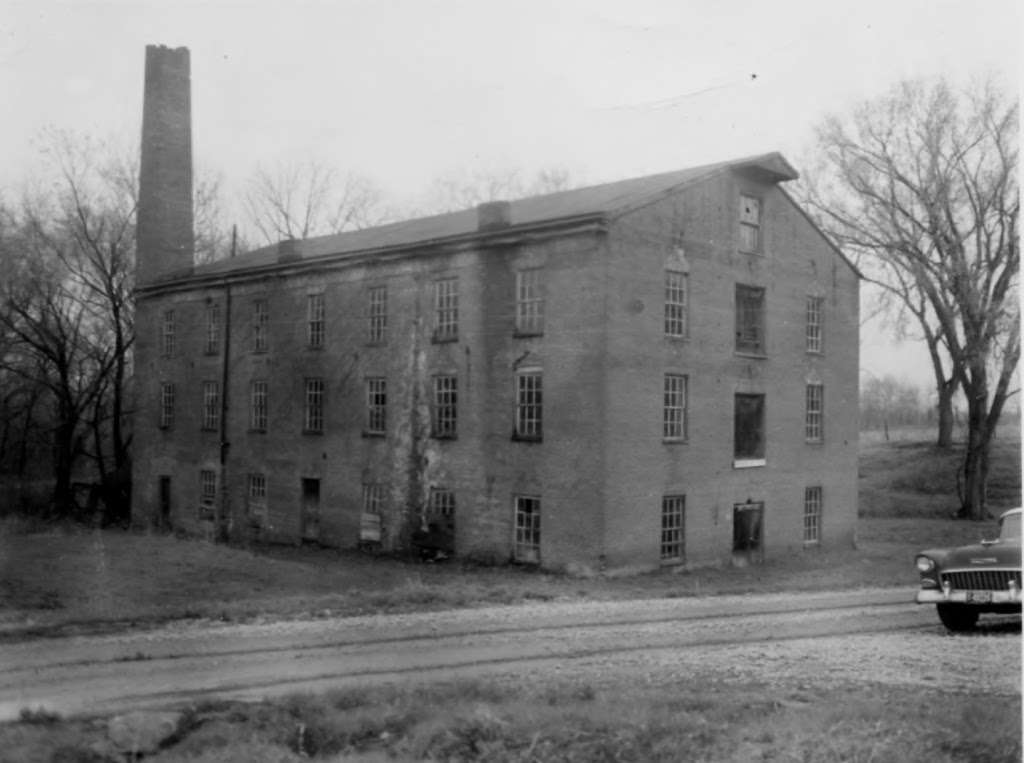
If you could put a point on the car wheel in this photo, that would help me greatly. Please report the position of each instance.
(957, 617)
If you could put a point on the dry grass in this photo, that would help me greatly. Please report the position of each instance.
(487, 721)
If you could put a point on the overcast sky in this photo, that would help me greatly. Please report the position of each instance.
(404, 91)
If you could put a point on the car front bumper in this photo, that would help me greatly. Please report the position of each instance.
(938, 596)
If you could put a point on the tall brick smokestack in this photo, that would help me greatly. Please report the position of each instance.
(164, 236)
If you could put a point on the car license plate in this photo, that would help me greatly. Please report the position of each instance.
(979, 597)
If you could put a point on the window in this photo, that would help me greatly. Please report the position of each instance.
(257, 504)
(207, 493)
(750, 319)
(527, 526)
(169, 334)
(211, 405)
(212, 327)
(442, 503)
(673, 528)
(166, 405)
(675, 303)
(446, 310)
(314, 415)
(529, 303)
(815, 397)
(812, 515)
(376, 405)
(814, 323)
(373, 498)
(310, 509)
(315, 320)
(528, 406)
(674, 415)
(260, 319)
(445, 406)
(749, 445)
(750, 224)
(377, 315)
(258, 406)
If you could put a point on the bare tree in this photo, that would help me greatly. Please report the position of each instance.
(462, 190)
(309, 199)
(921, 188)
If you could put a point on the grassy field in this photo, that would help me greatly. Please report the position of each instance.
(487, 721)
(71, 577)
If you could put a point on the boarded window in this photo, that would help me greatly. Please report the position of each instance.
(750, 224)
(749, 440)
(750, 320)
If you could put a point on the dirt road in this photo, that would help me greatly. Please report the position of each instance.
(875, 635)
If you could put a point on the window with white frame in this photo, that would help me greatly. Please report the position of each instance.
(812, 515)
(676, 285)
(377, 315)
(529, 405)
(313, 420)
(441, 503)
(446, 309)
(166, 405)
(212, 327)
(207, 493)
(815, 316)
(750, 223)
(749, 439)
(526, 548)
(211, 405)
(257, 503)
(814, 413)
(445, 408)
(315, 320)
(260, 321)
(529, 302)
(376, 405)
(674, 413)
(258, 405)
(750, 320)
(169, 334)
(673, 529)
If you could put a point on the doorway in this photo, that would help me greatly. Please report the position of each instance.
(164, 517)
(310, 509)
(748, 532)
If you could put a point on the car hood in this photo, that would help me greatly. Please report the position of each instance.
(1002, 554)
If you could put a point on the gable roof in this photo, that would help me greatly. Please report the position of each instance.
(588, 202)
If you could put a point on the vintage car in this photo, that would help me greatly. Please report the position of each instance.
(966, 581)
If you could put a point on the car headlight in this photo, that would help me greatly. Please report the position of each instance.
(924, 564)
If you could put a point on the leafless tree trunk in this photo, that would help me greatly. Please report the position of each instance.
(921, 187)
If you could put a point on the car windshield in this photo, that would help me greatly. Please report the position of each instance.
(1010, 528)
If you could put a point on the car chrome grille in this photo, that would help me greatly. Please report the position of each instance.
(981, 580)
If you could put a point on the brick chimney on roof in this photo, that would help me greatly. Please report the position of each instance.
(164, 235)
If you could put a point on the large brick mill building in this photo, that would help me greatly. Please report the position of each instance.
(656, 371)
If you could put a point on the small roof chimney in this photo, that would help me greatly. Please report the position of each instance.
(288, 250)
(493, 215)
